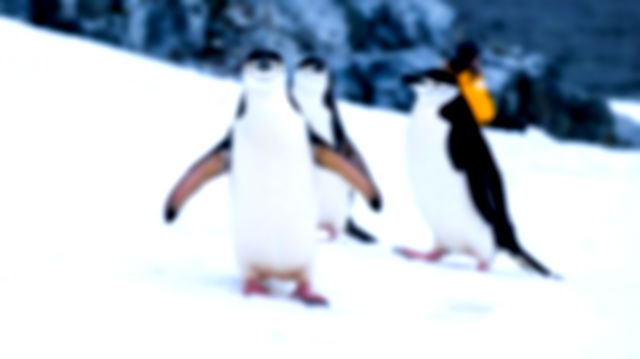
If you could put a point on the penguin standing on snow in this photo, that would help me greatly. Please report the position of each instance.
(313, 91)
(270, 153)
(455, 178)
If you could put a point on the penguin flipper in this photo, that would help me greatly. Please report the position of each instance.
(327, 157)
(486, 191)
(209, 166)
(351, 153)
(344, 144)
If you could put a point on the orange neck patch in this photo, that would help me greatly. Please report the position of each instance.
(474, 90)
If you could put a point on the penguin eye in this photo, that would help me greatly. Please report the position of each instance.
(313, 65)
(308, 68)
(265, 65)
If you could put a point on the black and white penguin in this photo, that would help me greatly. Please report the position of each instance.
(313, 91)
(455, 179)
(270, 153)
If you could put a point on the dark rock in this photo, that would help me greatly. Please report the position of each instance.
(529, 91)
(45, 12)
(595, 41)
(375, 79)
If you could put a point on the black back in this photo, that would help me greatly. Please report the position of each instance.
(471, 155)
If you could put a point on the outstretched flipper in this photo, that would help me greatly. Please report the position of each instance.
(211, 165)
(327, 157)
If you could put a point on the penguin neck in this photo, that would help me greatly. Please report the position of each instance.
(267, 99)
(317, 114)
(428, 105)
(426, 114)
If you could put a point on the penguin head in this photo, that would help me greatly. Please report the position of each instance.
(434, 84)
(466, 57)
(263, 70)
(312, 76)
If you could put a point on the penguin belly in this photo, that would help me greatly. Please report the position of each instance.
(442, 192)
(334, 194)
(334, 199)
(274, 205)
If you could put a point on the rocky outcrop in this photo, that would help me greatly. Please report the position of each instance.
(530, 91)
(595, 41)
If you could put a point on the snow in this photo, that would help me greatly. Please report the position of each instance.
(626, 107)
(92, 140)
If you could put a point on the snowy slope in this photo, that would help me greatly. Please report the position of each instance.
(92, 140)
(627, 108)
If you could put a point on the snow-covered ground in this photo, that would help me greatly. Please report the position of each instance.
(626, 107)
(92, 140)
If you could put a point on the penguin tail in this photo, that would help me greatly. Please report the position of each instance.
(358, 232)
(529, 262)
(507, 240)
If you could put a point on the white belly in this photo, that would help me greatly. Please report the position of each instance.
(334, 194)
(442, 192)
(274, 202)
(333, 198)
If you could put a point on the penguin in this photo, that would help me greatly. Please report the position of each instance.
(455, 179)
(313, 91)
(270, 153)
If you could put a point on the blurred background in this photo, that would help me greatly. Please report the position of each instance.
(547, 63)
(105, 103)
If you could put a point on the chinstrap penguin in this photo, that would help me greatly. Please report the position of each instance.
(270, 153)
(313, 91)
(455, 179)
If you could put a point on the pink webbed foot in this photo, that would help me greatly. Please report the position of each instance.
(431, 256)
(254, 287)
(306, 295)
(330, 229)
(483, 266)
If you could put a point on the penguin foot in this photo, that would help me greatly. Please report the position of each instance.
(431, 256)
(307, 296)
(254, 286)
(330, 229)
(483, 266)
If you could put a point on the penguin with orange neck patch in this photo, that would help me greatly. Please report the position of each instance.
(270, 153)
(456, 182)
